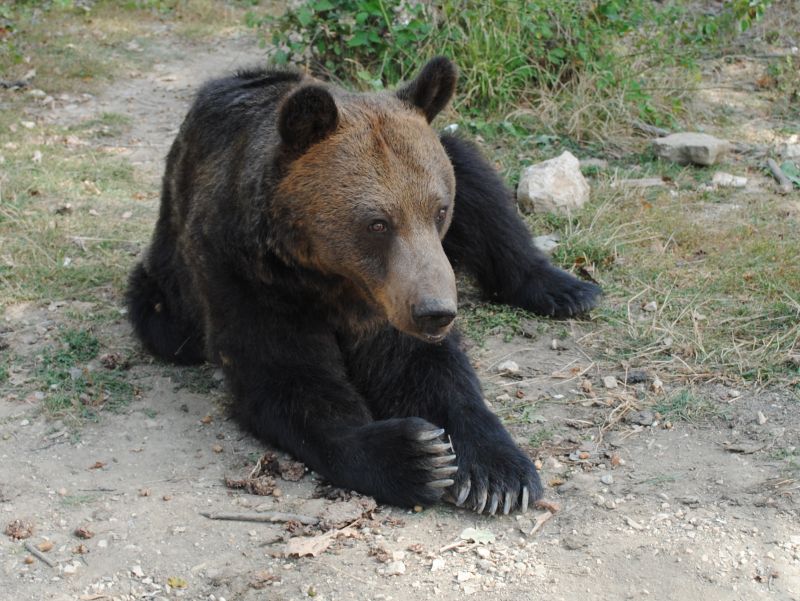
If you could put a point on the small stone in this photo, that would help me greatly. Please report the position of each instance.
(437, 564)
(396, 568)
(556, 185)
(483, 552)
(761, 418)
(610, 382)
(790, 151)
(607, 479)
(650, 307)
(137, 571)
(643, 418)
(657, 385)
(102, 544)
(464, 576)
(726, 180)
(398, 555)
(633, 524)
(70, 569)
(508, 368)
(547, 243)
(689, 147)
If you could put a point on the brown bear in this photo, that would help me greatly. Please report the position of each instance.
(305, 242)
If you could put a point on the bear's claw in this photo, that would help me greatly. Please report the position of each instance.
(430, 434)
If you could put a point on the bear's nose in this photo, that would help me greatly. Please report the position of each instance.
(432, 317)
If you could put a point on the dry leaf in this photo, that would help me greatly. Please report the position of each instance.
(83, 532)
(309, 547)
(176, 582)
(19, 530)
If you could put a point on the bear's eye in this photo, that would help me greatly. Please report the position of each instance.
(379, 226)
(441, 215)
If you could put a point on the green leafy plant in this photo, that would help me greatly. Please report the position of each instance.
(512, 52)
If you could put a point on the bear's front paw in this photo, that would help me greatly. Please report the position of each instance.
(496, 476)
(555, 293)
(407, 461)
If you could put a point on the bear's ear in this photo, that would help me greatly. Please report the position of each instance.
(306, 117)
(433, 88)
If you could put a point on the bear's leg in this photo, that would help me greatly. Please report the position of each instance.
(158, 318)
(291, 388)
(402, 377)
(489, 239)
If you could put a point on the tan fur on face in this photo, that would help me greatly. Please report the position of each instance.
(383, 162)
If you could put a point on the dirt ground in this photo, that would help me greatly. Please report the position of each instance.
(648, 509)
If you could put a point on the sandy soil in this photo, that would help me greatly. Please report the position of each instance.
(647, 509)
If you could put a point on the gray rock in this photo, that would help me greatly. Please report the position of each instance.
(790, 151)
(556, 185)
(547, 243)
(689, 147)
(643, 418)
(727, 180)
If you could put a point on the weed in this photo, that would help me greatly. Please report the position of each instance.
(199, 380)
(77, 500)
(70, 385)
(597, 58)
(481, 320)
(687, 405)
(540, 437)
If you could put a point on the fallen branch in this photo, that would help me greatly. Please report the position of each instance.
(784, 183)
(39, 555)
(266, 517)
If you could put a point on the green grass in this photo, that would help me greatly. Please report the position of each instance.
(687, 405)
(71, 387)
(481, 320)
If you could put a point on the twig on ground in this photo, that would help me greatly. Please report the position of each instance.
(650, 129)
(540, 521)
(784, 183)
(266, 517)
(39, 555)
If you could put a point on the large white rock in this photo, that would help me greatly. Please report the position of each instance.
(556, 185)
(688, 147)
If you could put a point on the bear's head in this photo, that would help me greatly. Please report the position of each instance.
(367, 195)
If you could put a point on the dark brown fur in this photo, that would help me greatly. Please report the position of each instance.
(305, 243)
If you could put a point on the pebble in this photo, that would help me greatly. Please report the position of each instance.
(396, 568)
(464, 576)
(483, 552)
(137, 571)
(610, 382)
(607, 479)
(643, 418)
(726, 180)
(761, 418)
(437, 564)
(508, 368)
